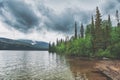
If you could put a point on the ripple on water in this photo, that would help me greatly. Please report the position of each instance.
(34, 65)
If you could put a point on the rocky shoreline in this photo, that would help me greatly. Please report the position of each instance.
(85, 68)
(109, 68)
(94, 69)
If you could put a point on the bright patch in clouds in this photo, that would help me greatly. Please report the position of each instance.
(34, 35)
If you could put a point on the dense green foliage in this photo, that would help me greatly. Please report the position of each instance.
(101, 40)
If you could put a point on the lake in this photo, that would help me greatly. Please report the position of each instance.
(41, 65)
(33, 65)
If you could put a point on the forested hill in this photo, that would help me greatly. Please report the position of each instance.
(22, 44)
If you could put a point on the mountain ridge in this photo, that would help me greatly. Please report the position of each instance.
(22, 44)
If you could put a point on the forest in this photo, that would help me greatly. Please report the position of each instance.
(98, 40)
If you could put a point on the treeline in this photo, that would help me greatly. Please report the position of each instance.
(99, 39)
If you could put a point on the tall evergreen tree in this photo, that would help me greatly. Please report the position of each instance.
(117, 18)
(82, 31)
(98, 19)
(109, 22)
(57, 42)
(61, 41)
(75, 30)
(88, 29)
(99, 43)
(49, 47)
(92, 30)
(107, 32)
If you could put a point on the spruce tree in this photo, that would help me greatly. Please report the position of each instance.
(92, 30)
(75, 30)
(57, 42)
(99, 43)
(117, 18)
(107, 31)
(109, 22)
(82, 31)
(49, 47)
(88, 30)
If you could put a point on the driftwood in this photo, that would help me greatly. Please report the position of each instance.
(110, 68)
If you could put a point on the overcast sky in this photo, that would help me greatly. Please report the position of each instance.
(47, 20)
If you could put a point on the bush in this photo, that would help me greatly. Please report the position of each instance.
(115, 50)
(104, 53)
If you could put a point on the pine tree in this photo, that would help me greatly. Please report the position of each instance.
(61, 41)
(82, 31)
(117, 18)
(109, 28)
(57, 42)
(75, 30)
(92, 30)
(88, 30)
(107, 31)
(52, 47)
(99, 43)
(49, 47)
(109, 22)
(98, 20)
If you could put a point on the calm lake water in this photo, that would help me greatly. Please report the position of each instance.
(33, 65)
(41, 65)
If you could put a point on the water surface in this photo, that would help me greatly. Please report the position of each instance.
(41, 65)
(37, 65)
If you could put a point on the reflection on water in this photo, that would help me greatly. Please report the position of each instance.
(27, 65)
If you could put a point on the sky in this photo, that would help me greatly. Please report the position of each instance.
(47, 20)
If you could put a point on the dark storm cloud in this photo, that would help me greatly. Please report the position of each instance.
(23, 15)
(1, 4)
(65, 21)
(118, 1)
(62, 22)
(1, 7)
(111, 6)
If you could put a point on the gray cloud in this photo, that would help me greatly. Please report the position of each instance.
(23, 17)
(62, 22)
(65, 21)
(118, 0)
(22, 14)
(1, 4)
(111, 6)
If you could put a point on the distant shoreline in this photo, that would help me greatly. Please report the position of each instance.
(91, 58)
(23, 50)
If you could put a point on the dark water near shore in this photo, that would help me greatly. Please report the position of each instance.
(41, 65)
